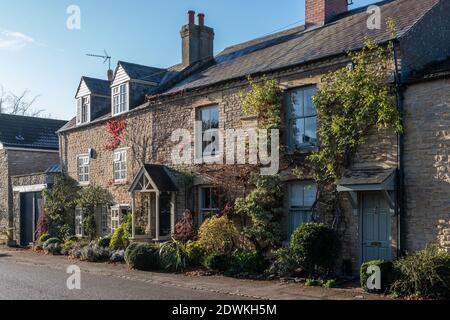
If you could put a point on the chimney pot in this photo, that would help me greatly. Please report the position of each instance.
(201, 19)
(191, 14)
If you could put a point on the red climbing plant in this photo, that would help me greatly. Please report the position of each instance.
(116, 129)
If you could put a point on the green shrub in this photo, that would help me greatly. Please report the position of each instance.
(217, 262)
(51, 241)
(218, 236)
(44, 237)
(194, 253)
(104, 242)
(332, 283)
(246, 262)
(284, 264)
(119, 240)
(386, 274)
(117, 256)
(312, 283)
(315, 247)
(143, 257)
(54, 248)
(94, 253)
(424, 274)
(173, 256)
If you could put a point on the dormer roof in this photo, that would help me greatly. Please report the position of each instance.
(141, 72)
(93, 86)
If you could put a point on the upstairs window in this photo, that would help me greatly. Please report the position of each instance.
(120, 166)
(209, 116)
(83, 110)
(302, 118)
(83, 169)
(120, 99)
(302, 196)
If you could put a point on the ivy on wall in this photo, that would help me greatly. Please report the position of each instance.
(90, 199)
(116, 130)
(264, 100)
(350, 103)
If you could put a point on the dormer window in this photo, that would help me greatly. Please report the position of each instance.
(83, 110)
(120, 99)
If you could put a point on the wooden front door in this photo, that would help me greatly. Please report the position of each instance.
(376, 228)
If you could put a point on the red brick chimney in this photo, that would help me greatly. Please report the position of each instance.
(319, 12)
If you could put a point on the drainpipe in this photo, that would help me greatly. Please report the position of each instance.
(400, 205)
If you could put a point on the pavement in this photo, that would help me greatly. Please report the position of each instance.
(27, 275)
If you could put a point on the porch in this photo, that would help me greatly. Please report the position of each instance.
(153, 194)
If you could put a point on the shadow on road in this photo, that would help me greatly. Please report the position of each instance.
(2, 255)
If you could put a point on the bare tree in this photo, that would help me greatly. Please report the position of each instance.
(21, 104)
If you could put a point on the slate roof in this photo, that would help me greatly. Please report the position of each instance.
(98, 86)
(434, 70)
(299, 45)
(159, 176)
(144, 73)
(366, 176)
(29, 132)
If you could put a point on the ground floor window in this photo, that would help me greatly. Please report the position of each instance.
(117, 214)
(302, 196)
(79, 222)
(104, 220)
(209, 203)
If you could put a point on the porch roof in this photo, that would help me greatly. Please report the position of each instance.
(158, 177)
(368, 179)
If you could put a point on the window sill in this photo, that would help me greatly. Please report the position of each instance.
(120, 182)
(83, 184)
(302, 150)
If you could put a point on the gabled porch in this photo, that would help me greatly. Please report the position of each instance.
(153, 194)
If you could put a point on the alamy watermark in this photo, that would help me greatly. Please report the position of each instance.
(231, 146)
(74, 280)
(73, 21)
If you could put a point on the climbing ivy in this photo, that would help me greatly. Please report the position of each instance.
(90, 199)
(264, 100)
(350, 103)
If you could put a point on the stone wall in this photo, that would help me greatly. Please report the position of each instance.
(4, 191)
(427, 164)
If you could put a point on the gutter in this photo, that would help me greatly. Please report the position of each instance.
(400, 203)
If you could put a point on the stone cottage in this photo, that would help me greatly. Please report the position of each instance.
(28, 145)
(395, 196)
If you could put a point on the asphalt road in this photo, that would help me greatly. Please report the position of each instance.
(29, 282)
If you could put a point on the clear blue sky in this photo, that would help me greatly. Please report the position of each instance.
(38, 52)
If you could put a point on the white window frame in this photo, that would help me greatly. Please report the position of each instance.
(120, 166)
(84, 104)
(84, 165)
(304, 209)
(79, 230)
(207, 212)
(116, 216)
(120, 98)
(292, 118)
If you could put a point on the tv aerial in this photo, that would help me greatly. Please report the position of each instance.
(105, 56)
